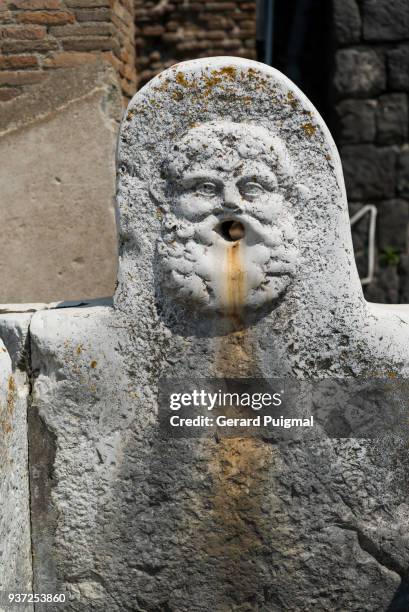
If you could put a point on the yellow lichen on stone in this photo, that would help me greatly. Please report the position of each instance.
(181, 79)
(252, 73)
(229, 71)
(309, 129)
(217, 77)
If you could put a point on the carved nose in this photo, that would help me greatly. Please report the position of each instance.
(232, 199)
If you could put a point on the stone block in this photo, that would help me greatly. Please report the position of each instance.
(45, 18)
(128, 87)
(91, 43)
(398, 68)
(153, 30)
(88, 3)
(67, 59)
(15, 541)
(392, 224)
(220, 6)
(121, 12)
(359, 72)
(18, 62)
(385, 20)
(94, 14)
(27, 32)
(392, 119)
(83, 30)
(58, 205)
(6, 17)
(29, 46)
(356, 121)
(403, 271)
(403, 172)
(19, 77)
(114, 61)
(347, 22)
(369, 172)
(8, 93)
(35, 5)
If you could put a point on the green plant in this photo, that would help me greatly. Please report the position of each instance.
(390, 256)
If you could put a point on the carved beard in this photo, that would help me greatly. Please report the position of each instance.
(203, 271)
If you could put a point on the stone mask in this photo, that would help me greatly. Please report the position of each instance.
(229, 242)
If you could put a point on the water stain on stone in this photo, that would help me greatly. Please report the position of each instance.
(238, 530)
(6, 411)
(235, 281)
(239, 535)
(233, 357)
(11, 395)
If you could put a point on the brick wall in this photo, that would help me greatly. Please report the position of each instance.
(170, 31)
(41, 35)
(371, 87)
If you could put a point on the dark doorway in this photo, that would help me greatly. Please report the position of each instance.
(294, 36)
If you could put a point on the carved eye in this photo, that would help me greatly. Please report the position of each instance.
(206, 189)
(251, 189)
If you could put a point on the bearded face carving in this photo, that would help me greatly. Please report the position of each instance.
(229, 243)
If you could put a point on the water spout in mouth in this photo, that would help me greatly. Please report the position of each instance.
(231, 230)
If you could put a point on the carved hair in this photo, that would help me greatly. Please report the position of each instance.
(248, 141)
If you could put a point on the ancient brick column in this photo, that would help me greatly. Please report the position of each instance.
(42, 35)
(170, 32)
(59, 95)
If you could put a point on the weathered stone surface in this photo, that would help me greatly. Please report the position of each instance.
(359, 72)
(392, 119)
(398, 68)
(385, 20)
(57, 206)
(403, 172)
(15, 543)
(369, 171)
(18, 427)
(347, 21)
(215, 524)
(356, 121)
(392, 215)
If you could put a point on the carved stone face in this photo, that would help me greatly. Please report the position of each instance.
(229, 243)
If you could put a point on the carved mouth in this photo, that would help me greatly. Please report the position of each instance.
(231, 230)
